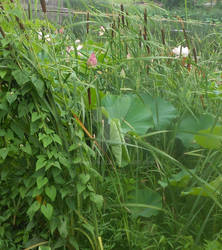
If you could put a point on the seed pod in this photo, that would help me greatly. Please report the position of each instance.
(122, 14)
(43, 4)
(163, 36)
(87, 23)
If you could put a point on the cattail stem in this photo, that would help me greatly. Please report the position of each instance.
(87, 23)
(163, 37)
(118, 21)
(113, 28)
(195, 55)
(140, 40)
(89, 96)
(43, 4)
(122, 14)
(145, 16)
(2, 32)
(29, 11)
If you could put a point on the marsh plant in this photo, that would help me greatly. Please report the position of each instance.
(111, 140)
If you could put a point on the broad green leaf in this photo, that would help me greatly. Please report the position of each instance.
(3, 73)
(210, 190)
(39, 85)
(210, 138)
(163, 112)
(47, 210)
(35, 116)
(181, 179)
(84, 178)
(27, 148)
(144, 202)
(41, 162)
(47, 140)
(57, 139)
(18, 128)
(33, 209)
(213, 245)
(97, 199)
(4, 152)
(11, 96)
(20, 77)
(22, 108)
(80, 188)
(189, 126)
(133, 114)
(63, 227)
(41, 181)
(115, 138)
(51, 192)
(44, 248)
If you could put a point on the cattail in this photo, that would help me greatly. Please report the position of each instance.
(195, 55)
(113, 28)
(127, 23)
(122, 14)
(87, 23)
(145, 16)
(163, 36)
(118, 21)
(22, 27)
(145, 38)
(2, 32)
(184, 31)
(29, 11)
(43, 4)
(145, 33)
(140, 40)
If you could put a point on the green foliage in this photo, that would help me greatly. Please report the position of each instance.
(124, 154)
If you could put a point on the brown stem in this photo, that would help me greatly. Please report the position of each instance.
(145, 16)
(43, 4)
(87, 23)
(122, 14)
(195, 55)
(163, 36)
(2, 32)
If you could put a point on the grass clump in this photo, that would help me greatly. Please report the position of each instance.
(110, 134)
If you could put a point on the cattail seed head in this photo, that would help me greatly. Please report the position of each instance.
(122, 14)
(87, 23)
(43, 4)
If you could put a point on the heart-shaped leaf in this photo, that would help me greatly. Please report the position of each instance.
(144, 202)
(190, 125)
(163, 111)
(51, 192)
(41, 181)
(47, 210)
(134, 116)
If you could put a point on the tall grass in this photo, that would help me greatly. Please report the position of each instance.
(134, 59)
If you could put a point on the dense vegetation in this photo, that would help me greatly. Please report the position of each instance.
(110, 131)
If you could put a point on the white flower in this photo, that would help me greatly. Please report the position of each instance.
(101, 31)
(69, 49)
(77, 41)
(72, 48)
(47, 37)
(79, 47)
(183, 51)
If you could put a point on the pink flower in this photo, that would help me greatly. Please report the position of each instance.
(92, 61)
